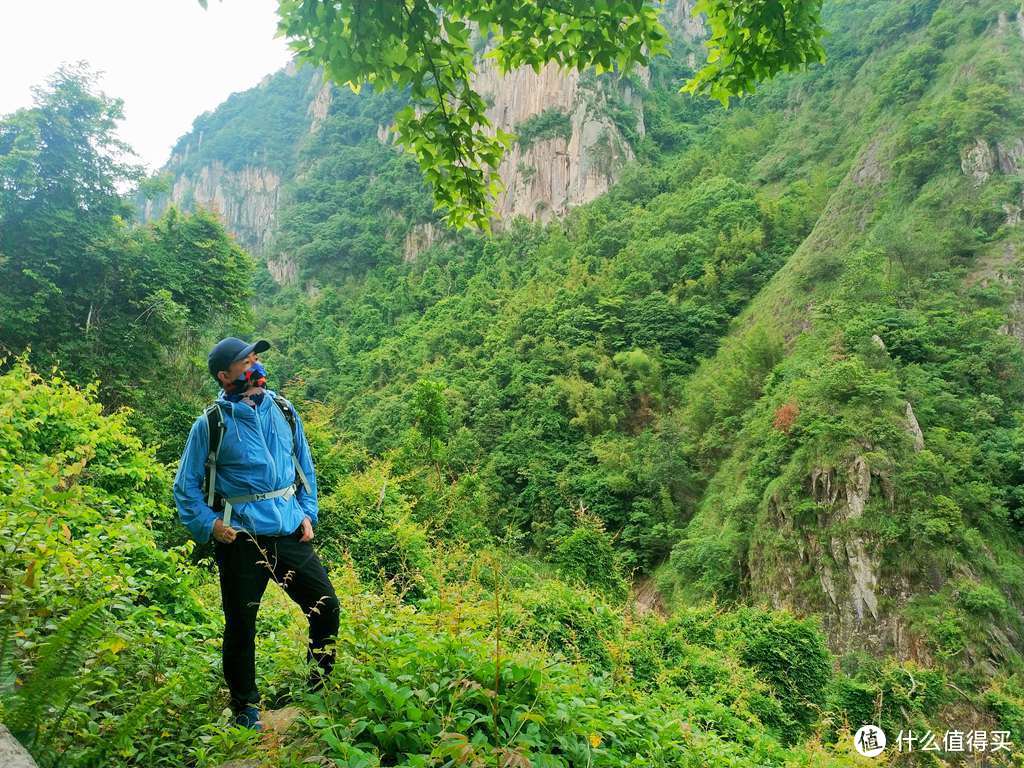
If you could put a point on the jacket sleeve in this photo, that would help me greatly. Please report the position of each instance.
(307, 501)
(188, 484)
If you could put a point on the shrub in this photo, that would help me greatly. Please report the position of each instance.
(549, 124)
(586, 557)
(567, 621)
(789, 654)
(369, 517)
(104, 642)
(785, 415)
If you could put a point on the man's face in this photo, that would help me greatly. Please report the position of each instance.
(237, 369)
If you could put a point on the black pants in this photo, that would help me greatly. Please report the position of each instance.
(245, 569)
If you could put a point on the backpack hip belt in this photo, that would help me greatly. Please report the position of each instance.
(231, 501)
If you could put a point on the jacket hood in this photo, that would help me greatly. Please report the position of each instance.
(228, 407)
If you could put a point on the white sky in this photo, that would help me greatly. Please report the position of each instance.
(168, 59)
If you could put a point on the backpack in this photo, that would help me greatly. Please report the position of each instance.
(217, 428)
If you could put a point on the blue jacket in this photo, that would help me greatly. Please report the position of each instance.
(255, 457)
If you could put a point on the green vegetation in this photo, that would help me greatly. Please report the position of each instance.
(897, 310)
(430, 50)
(82, 289)
(427, 50)
(109, 639)
(550, 124)
(356, 199)
(101, 623)
(559, 352)
(262, 127)
(683, 356)
(750, 39)
(776, 371)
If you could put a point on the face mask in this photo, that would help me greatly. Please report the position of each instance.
(254, 376)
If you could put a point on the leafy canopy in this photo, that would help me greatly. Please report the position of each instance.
(83, 289)
(430, 49)
(752, 40)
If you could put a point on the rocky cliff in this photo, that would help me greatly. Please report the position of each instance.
(245, 187)
(246, 199)
(563, 168)
(577, 130)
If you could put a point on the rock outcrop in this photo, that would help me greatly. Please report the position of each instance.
(320, 106)
(836, 569)
(246, 196)
(978, 161)
(419, 238)
(246, 200)
(981, 160)
(679, 17)
(545, 178)
(283, 268)
(552, 174)
(914, 429)
(12, 754)
(860, 599)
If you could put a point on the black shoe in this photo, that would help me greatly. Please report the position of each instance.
(249, 718)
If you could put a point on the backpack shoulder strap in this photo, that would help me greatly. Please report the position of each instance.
(215, 428)
(289, 414)
(286, 409)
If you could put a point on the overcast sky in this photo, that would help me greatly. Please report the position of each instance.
(168, 59)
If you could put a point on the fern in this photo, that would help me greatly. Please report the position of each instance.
(131, 722)
(59, 660)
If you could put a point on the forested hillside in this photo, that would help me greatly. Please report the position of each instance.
(776, 360)
(712, 469)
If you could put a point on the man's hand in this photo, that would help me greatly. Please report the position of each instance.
(225, 534)
(307, 529)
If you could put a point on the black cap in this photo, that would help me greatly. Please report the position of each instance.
(231, 350)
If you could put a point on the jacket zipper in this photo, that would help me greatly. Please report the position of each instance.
(270, 458)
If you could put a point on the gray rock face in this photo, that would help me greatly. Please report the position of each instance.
(869, 167)
(419, 238)
(283, 268)
(978, 161)
(1010, 155)
(320, 106)
(12, 754)
(678, 16)
(848, 497)
(858, 599)
(246, 200)
(914, 428)
(545, 179)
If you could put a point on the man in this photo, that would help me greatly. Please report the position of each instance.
(261, 516)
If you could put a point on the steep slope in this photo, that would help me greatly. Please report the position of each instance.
(873, 476)
(110, 637)
(780, 359)
(817, 460)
